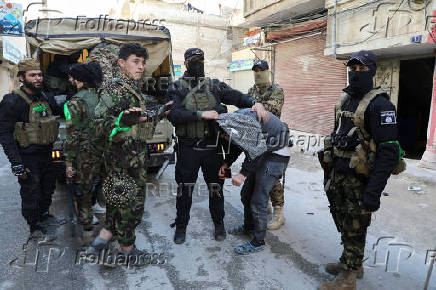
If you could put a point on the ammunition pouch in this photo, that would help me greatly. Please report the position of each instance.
(195, 130)
(44, 133)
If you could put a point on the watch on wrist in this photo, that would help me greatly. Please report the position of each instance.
(18, 170)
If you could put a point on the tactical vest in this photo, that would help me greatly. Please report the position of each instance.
(196, 101)
(362, 159)
(141, 131)
(43, 127)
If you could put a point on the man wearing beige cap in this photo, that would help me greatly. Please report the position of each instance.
(28, 129)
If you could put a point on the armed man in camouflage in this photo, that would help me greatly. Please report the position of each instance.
(79, 114)
(125, 124)
(358, 158)
(271, 97)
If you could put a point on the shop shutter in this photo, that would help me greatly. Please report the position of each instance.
(311, 82)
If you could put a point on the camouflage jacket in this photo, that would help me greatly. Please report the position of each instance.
(78, 124)
(271, 97)
(117, 96)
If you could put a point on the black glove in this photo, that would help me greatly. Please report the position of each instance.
(370, 203)
(130, 119)
(18, 170)
(220, 108)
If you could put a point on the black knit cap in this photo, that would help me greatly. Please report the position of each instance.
(87, 72)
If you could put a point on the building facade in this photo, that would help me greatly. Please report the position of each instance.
(403, 36)
(292, 40)
(189, 27)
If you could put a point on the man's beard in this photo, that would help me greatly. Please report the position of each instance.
(32, 87)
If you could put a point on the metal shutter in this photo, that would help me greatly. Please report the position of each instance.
(311, 82)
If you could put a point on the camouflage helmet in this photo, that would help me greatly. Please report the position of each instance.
(119, 189)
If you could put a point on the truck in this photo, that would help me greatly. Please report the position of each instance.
(52, 38)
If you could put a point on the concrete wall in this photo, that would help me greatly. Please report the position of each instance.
(388, 77)
(263, 13)
(190, 29)
(383, 26)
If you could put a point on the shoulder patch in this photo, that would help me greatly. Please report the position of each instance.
(388, 117)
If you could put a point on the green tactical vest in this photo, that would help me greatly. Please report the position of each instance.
(141, 131)
(196, 101)
(43, 127)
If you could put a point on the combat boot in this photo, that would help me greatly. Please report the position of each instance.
(220, 232)
(278, 219)
(345, 281)
(180, 235)
(336, 268)
(41, 235)
(269, 208)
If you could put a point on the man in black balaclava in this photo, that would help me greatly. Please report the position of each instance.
(359, 157)
(197, 102)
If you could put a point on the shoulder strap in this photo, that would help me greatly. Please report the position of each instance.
(190, 92)
(23, 96)
(342, 98)
(359, 114)
(130, 89)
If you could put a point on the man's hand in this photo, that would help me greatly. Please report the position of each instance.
(210, 115)
(134, 111)
(261, 112)
(166, 106)
(221, 173)
(364, 211)
(24, 175)
(238, 179)
(70, 172)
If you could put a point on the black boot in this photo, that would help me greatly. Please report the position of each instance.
(180, 235)
(220, 232)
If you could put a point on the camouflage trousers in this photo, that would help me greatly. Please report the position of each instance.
(344, 194)
(86, 171)
(122, 222)
(277, 194)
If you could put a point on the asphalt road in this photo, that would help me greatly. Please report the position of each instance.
(291, 259)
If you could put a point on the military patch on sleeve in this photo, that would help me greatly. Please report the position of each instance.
(388, 118)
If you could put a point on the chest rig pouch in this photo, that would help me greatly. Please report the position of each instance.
(141, 131)
(43, 127)
(362, 158)
(197, 100)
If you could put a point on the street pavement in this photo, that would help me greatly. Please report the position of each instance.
(293, 257)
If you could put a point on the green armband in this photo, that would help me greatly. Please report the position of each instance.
(401, 151)
(118, 128)
(67, 112)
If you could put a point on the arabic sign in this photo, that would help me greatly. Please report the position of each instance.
(244, 64)
(11, 51)
(11, 19)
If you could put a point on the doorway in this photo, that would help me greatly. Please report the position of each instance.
(414, 101)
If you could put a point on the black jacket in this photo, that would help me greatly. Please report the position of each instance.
(14, 109)
(222, 92)
(381, 130)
